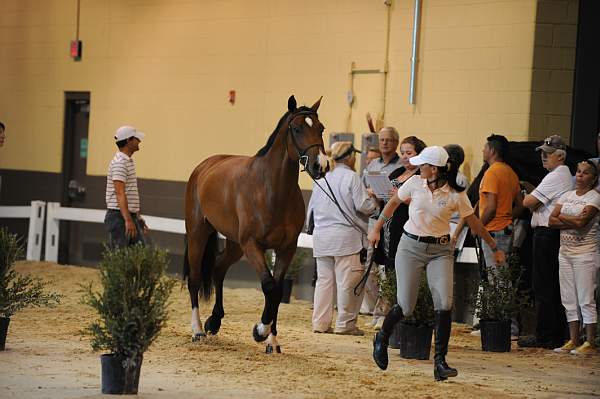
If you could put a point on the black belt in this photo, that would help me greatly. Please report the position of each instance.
(133, 215)
(443, 240)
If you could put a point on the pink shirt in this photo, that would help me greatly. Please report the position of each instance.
(429, 213)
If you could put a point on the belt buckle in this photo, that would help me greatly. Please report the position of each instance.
(444, 240)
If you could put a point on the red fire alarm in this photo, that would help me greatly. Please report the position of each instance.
(231, 97)
(76, 49)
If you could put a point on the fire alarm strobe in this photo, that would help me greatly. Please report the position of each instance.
(76, 49)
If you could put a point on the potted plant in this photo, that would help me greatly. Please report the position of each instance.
(496, 302)
(291, 274)
(132, 309)
(17, 291)
(413, 334)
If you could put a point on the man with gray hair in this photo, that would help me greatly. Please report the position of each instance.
(550, 321)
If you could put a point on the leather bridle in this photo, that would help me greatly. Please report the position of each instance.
(302, 157)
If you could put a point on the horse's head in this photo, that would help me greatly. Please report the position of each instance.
(306, 134)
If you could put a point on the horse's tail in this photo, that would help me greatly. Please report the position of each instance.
(209, 260)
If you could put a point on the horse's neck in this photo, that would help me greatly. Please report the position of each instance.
(277, 167)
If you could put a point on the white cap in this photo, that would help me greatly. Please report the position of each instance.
(434, 155)
(125, 132)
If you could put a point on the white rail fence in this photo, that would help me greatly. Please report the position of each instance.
(35, 213)
(53, 213)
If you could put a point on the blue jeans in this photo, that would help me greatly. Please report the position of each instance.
(504, 240)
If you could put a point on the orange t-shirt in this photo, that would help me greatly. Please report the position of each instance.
(501, 180)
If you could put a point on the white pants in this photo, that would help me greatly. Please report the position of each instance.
(341, 274)
(577, 276)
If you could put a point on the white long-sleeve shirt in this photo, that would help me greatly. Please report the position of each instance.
(333, 235)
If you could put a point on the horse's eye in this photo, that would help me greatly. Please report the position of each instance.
(296, 129)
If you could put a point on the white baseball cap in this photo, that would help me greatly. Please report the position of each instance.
(434, 155)
(125, 132)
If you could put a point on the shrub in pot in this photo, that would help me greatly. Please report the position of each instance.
(292, 272)
(17, 291)
(496, 302)
(132, 309)
(413, 334)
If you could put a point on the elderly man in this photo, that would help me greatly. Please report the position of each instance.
(551, 321)
(385, 164)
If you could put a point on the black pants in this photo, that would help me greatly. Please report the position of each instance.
(115, 227)
(551, 319)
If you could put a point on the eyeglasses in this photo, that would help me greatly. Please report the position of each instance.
(387, 140)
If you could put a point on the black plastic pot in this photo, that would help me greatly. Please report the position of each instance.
(395, 336)
(415, 341)
(495, 335)
(3, 331)
(287, 290)
(117, 379)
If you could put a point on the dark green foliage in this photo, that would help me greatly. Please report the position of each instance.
(133, 304)
(423, 315)
(295, 266)
(16, 291)
(499, 297)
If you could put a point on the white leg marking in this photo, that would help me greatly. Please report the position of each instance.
(263, 329)
(196, 324)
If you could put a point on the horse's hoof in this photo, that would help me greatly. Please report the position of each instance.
(269, 349)
(198, 336)
(257, 337)
(212, 325)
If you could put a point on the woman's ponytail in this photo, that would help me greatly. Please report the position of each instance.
(449, 173)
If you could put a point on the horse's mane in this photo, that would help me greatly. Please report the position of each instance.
(263, 151)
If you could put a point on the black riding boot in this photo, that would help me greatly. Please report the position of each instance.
(382, 338)
(443, 323)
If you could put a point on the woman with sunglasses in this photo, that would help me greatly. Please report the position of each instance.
(576, 215)
(433, 198)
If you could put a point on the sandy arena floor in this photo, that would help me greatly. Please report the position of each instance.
(46, 357)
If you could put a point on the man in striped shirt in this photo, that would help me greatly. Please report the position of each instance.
(123, 221)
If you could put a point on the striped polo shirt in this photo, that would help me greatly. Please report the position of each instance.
(122, 168)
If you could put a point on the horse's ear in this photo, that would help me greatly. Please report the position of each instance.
(292, 103)
(315, 106)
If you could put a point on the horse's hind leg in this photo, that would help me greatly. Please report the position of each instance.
(196, 245)
(232, 254)
(282, 262)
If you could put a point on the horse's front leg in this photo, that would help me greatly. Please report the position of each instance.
(282, 261)
(256, 256)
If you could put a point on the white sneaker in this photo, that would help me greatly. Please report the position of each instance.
(476, 333)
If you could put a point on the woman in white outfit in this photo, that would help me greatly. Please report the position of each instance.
(338, 240)
(576, 214)
(434, 197)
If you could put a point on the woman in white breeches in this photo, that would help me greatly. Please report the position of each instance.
(576, 214)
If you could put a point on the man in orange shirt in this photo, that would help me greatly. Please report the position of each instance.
(500, 200)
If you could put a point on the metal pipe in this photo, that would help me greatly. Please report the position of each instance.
(413, 59)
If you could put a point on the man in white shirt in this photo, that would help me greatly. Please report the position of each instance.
(550, 321)
(123, 221)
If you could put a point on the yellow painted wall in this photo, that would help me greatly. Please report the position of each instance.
(167, 66)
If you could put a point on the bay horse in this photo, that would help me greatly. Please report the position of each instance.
(256, 203)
